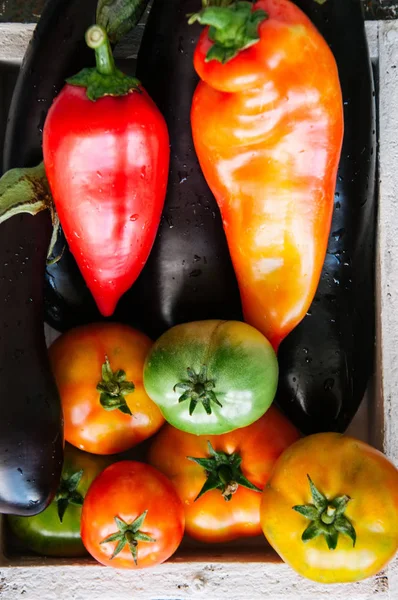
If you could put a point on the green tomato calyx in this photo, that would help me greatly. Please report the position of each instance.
(198, 389)
(67, 493)
(105, 79)
(327, 518)
(128, 533)
(232, 27)
(223, 472)
(113, 388)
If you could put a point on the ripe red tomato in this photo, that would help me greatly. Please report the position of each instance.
(132, 517)
(219, 478)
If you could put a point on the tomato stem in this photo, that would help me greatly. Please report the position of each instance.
(113, 388)
(97, 40)
(128, 533)
(198, 389)
(327, 517)
(223, 472)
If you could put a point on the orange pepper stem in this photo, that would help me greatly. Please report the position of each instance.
(232, 28)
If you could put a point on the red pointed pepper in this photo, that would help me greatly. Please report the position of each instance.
(267, 122)
(106, 155)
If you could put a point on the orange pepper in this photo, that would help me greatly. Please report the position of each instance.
(267, 123)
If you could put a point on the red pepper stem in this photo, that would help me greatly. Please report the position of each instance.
(97, 40)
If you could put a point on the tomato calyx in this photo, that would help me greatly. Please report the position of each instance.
(327, 518)
(128, 533)
(105, 79)
(223, 473)
(67, 493)
(114, 387)
(198, 389)
(232, 28)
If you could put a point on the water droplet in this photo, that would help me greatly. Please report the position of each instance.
(20, 470)
(328, 385)
(337, 205)
(195, 273)
(305, 350)
(133, 217)
(183, 175)
(99, 174)
(196, 258)
(338, 234)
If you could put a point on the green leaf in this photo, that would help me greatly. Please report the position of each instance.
(135, 525)
(241, 480)
(98, 85)
(62, 505)
(114, 537)
(206, 463)
(344, 525)
(126, 387)
(340, 503)
(73, 481)
(212, 483)
(24, 191)
(213, 398)
(319, 499)
(143, 537)
(307, 510)
(107, 373)
(312, 531)
(118, 17)
(121, 525)
(192, 406)
(232, 28)
(331, 539)
(119, 548)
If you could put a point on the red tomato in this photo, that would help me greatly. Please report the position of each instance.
(132, 517)
(233, 470)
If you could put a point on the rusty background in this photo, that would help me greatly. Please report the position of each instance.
(28, 11)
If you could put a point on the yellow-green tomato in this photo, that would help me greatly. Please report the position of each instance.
(56, 531)
(211, 377)
(330, 508)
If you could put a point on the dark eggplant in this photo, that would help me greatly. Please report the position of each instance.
(327, 362)
(31, 430)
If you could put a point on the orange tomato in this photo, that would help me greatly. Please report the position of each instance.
(98, 369)
(347, 528)
(132, 517)
(229, 509)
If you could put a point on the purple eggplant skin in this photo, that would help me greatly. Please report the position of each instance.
(327, 362)
(31, 425)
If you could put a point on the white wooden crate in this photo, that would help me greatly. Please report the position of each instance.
(188, 576)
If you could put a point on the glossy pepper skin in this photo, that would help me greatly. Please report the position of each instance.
(107, 165)
(268, 129)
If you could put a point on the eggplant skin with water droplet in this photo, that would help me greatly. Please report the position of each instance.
(326, 363)
(31, 426)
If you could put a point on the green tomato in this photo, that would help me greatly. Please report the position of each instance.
(211, 377)
(56, 531)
